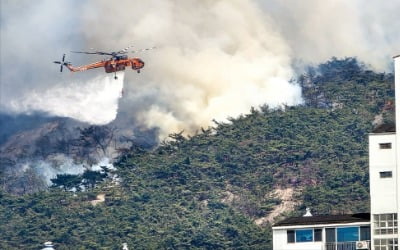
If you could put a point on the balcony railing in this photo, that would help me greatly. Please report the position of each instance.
(351, 245)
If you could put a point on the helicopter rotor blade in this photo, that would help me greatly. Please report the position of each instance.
(142, 50)
(63, 58)
(61, 67)
(92, 53)
(124, 51)
(113, 54)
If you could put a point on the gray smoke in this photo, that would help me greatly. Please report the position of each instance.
(65, 165)
(317, 30)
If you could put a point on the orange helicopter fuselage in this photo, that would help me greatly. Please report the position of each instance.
(111, 65)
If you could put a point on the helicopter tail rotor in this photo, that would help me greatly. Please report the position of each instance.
(62, 63)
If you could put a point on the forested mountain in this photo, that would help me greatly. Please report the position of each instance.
(224, 186)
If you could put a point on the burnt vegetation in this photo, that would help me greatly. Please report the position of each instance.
(205, 191)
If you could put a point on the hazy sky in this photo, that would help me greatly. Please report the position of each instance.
(215, 58)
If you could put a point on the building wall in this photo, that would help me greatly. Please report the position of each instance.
(280, 242)
(382, 190)
(397, 91)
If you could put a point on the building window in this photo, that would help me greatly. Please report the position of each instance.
(385, 224)
(318, 234)
(330, 234)
(365, 233)
(304, 235)
(384, 244)
(385, 174)
(345, 234)
(290, 236)
(385, 145)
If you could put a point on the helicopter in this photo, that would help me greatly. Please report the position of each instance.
(119, 61)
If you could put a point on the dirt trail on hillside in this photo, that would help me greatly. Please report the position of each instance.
(99, 199)
(287, 204)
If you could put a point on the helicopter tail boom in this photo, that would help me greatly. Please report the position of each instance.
(79, 68)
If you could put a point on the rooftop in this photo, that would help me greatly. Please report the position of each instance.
(324, 219)
(385, 128)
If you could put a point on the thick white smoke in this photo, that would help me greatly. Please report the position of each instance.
(215, 58)
(94, 101)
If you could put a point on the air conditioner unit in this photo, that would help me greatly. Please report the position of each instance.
(362, 245)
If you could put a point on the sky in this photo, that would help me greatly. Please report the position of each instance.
(214, 59)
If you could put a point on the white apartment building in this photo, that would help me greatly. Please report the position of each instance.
(383, 189)
(377, 230)
(329, 232)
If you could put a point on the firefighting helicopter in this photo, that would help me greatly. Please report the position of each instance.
(118, 61)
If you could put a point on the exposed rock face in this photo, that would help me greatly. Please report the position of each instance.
(29, 143)
(52, 145)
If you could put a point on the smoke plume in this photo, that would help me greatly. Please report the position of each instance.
(215, 58)
(49, 170)
(95, 101)
(317, 30)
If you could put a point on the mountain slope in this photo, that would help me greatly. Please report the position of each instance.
(211, 190)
